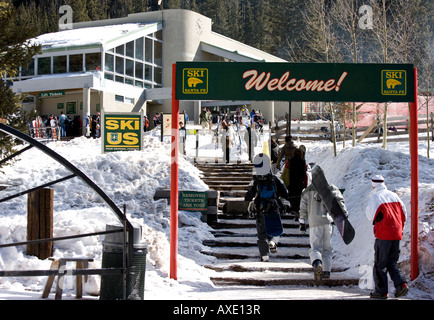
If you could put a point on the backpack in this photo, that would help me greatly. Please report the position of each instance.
(267, 189)
(267, 192)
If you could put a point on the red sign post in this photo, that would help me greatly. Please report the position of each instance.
(414, 184)
(174, 181)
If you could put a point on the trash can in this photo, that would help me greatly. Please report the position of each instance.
(112, 257)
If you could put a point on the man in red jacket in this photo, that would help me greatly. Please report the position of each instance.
(388, 215)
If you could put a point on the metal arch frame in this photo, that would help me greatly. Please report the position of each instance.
(54, 155)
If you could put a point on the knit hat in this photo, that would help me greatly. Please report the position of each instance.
(377, 180)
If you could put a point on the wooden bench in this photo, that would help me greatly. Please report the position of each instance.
(57, 264)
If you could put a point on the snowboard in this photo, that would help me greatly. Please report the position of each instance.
(342, 223)
(273, 223)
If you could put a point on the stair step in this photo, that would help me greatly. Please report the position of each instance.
(245, 233)
(251, 242)
(253, 253)
(226, 180)
(252, 224)
(235, 240)
(282, 279)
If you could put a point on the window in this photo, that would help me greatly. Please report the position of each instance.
(139, 49)
(120, 49)
(148, 72)
(29, 70)
(44, 65)
(109, 62)
(148, 50)
(129, 100)
(129, 67)
(93, 61)
(139, 70)
(137, 63)
(71, 107)
(120, 98)
(59, 64)
(159, 34)
(108, 76)
(76, 63)
(158, 56)
(158, 75)
(130, 49)
(119, 65)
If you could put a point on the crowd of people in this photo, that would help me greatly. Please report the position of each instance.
(241, 116)
(53, 127)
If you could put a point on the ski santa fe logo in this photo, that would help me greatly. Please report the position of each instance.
(195, 81)
(393, 82)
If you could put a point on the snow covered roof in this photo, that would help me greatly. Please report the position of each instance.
(100, 36)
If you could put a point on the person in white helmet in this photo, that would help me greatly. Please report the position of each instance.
(388, 215)
(265, 192)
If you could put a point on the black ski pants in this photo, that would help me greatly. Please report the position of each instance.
(386, 261)
(263, 238)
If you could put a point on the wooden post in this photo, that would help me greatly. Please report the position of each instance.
(40, 222)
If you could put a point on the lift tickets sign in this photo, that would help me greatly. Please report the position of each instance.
(193, 201)
(122, 132)
(346, 82)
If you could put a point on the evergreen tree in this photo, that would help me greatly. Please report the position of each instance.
(171, 4)
(15, 50)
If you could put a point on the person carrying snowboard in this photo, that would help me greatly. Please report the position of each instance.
(265, 191)
(388, 215)
(313, 211)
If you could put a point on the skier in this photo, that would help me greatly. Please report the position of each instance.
(388, 215)
(286, 151)
(204, 119)
(297, 180)
(274, 154)
(313, 211)
(265, 190)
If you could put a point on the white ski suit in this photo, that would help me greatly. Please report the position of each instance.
(313, 211)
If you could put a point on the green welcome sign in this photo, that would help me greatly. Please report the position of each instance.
(122, 132)
(344, 82)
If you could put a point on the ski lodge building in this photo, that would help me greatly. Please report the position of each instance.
(125, 65)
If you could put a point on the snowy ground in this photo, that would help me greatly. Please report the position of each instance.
(131, 178)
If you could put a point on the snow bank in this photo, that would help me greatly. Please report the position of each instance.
(131, 178)
(352, 170)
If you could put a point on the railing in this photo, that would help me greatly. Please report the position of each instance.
(45, 133)
(321, 130)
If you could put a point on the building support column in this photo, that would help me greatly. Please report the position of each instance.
(86, 107)
(197, 111)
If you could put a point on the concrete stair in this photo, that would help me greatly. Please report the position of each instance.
(234, 245)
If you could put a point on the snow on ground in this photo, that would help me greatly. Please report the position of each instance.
(131, 178)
